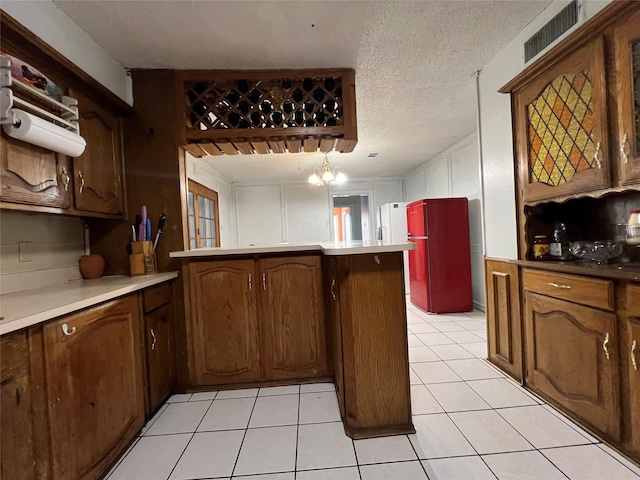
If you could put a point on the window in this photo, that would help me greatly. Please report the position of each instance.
(204, 227)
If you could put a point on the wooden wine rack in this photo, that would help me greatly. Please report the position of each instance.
(268, 111)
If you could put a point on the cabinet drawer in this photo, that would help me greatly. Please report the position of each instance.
(156, 296)
(593, 292)
(633, 299)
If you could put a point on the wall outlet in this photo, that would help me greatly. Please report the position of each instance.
(25, 251)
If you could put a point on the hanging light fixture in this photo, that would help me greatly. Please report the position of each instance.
(326, 176)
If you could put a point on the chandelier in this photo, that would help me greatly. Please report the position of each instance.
(326, 176)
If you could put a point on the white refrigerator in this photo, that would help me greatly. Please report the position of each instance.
(392, 229)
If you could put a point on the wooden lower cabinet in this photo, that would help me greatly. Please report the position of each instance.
(95, 399)
(632, 349)
(375, 360)
(573, 360)
(334, 326)
(17, 446)
(291, 319)
(223, 342)
(159, 343)
(504, 322)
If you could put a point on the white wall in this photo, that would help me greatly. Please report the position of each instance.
(53, 26)
(496, 133)
(456, 173)
(201, 171)
(302, 213)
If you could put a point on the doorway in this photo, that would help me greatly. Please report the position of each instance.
(351, 218)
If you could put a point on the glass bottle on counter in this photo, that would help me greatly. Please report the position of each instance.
(559, 247)
(540, 247)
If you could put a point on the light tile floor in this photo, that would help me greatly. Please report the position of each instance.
(472, 422)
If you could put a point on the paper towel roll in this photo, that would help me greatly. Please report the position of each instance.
(32, 129)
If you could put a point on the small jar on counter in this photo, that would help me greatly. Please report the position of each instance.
(541, 247)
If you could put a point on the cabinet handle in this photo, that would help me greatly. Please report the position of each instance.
(596, 156)
(64, 177)
(264, 281)
(333, 283)
(557, 285)
(633, 356)
(604, 345)
(623, 149)
(153, 336)
(377, 259)
(81, 181)
(66, 331)
(250, 285)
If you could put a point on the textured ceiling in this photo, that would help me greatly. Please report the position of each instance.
(414, 63)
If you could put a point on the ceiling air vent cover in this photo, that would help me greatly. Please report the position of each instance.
(559, 24)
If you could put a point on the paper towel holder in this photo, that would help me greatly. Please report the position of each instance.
(67, 120)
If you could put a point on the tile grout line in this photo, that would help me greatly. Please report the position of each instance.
(192, 435)
(235, 464)
(295, 461)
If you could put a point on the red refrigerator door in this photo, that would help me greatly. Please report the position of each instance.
(448, 255)
(418, 291)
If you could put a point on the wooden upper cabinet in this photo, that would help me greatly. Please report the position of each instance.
(561, 127)
(32, 175)
(97, 172)
(573, 359)
(224, 330)
(292, 328)
(94, 387)
(627, 61)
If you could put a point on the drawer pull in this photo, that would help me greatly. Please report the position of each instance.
(557, 285)
(264, 281)
(377, 259)
(153, 344)
(605, 344)
(66, 331)
(333, 283)
(633, 356)
(250, 286)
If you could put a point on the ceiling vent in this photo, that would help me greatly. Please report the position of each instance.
(559, 24)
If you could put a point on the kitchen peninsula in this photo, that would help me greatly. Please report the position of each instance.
(273, 315)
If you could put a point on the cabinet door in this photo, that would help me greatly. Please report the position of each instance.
(633, 350)
(504, 323)
(98, 171)
(17, 453)
(32, 175)
(94, 387)
(332, 295)
(573, 359)
(561, 127)
(224, 331)
(627, 45)
(160, 354)
(292, 328)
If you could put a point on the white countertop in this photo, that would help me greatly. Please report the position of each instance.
(328, 248)
(23, 309)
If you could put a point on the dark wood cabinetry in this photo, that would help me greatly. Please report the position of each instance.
(372, 313)
(334, 326)
(504, 321)
(33, 176)
(17, 445)
(159, 343)
(95, 399)
(631, 347)
(98, 171)
(573, 359)
(292, 327)
(223, 338)
(234, 341)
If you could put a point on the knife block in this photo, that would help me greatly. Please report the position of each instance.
(142, 260)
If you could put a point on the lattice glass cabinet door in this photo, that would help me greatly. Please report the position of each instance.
(627, 46)
(561, 127)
